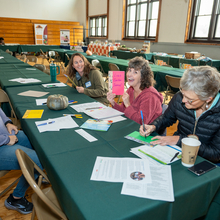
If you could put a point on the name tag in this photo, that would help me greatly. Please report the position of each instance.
(88, 84)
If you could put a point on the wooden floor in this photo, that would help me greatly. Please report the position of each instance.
(6, 214)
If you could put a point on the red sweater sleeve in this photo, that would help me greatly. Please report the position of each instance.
(150, 107)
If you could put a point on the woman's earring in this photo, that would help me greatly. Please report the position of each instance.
(206, 106)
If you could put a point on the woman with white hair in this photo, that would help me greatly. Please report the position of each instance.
(197, 108)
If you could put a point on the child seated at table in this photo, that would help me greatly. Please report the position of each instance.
(141, 95)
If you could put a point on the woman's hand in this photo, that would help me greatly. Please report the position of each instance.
(165, 140)
(11, 127)
(125, 99)
(80, 89)
(13, 140)
(110, 97)
(148, 130)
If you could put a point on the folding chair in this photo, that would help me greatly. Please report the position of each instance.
(3, 173)
(96, 63)
(45, 201)
(172, 82)
(45, 57)
(55, 57)
(41, 67)
(9, 52)
(32, 59)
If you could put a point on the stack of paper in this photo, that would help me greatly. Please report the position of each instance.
(55, 124)
(33, 93)
(85, 106)
(51, 85)
(163, 154)
(139, 178)
(25, 80)
(97, 110)
(102, 113)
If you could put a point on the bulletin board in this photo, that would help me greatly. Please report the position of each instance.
(40, 34)
(64, 36)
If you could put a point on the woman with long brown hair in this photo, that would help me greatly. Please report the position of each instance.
(87, 78)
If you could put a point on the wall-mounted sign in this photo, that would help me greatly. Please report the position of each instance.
(64, 36)
(40, 34)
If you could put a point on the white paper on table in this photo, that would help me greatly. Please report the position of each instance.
(16, 79)
(1, 57)
(49, 85)
(30, 69)
(65, 122)
(41, 101)
(103, 113)
(33, 93)
(161, 187)
(161, 153)
(86, 135)
(82, 107)
(121, 169)
(30, 80)
(48, 127)
(116, 119)
(25, 80)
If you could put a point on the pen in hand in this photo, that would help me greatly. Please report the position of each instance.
(176, 154)
(142, 118)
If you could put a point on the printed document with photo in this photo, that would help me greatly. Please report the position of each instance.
(121, 170)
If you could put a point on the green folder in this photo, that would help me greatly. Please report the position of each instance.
(135, 136)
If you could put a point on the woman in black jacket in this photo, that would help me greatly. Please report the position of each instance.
(197, 108)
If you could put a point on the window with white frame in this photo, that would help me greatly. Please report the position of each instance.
(141, 19)
(98, 26)
(204, 21)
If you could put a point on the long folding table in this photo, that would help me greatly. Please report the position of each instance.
(69, 159)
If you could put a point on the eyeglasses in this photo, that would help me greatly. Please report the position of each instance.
(190, 101)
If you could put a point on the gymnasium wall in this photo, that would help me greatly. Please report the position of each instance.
(21, 31)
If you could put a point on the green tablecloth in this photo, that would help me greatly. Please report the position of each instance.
(36, 48)
(28, 48)
(21, 72)
(69, 159)
(11, 67)
(175, 61)
(13, 48)
(8, 59)
(128, 55)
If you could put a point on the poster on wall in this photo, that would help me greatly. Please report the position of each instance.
(40, 34)
(64, 36)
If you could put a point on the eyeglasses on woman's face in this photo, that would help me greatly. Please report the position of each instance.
(190, 101)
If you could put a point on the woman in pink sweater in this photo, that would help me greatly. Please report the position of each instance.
(141, 94)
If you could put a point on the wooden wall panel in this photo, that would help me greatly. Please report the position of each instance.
(16, 30)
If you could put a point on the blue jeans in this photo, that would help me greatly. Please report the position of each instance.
(8, 161)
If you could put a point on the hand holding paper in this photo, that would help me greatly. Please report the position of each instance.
(116, 82)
